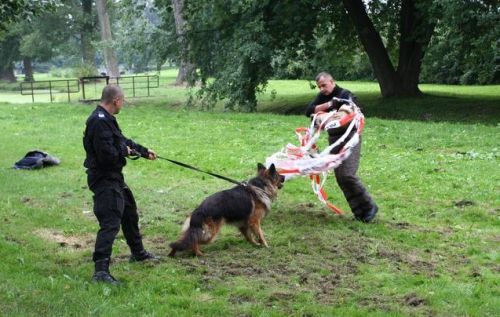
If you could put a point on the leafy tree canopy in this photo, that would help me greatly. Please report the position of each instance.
(238, 45)
(235, 42)
(465, 46)
(16, 10)
(142, 36)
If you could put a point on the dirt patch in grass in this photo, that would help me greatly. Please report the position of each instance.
(71, 242)
(323, 263)
(413, 300)
(463, 203)
(320, 269)
(413, 260)
(376, 302)
(443, 231)
(240, 299)
(158, 243)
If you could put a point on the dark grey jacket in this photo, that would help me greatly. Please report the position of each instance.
(106, 147)
(337, 92)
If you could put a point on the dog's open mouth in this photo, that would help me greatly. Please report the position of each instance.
(282, 180)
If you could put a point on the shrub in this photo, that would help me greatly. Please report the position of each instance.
(84, 70)
(8, 86)
(61, 72)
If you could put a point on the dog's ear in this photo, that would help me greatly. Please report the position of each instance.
(272, 169)
(260, 168)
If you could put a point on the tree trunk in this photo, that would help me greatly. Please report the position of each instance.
(374, 47)
(416, 32)
(109, 53)
(184, 66)
(184, 69)
(28, 69)
(7, 73)
(404, 81)
(87, 28)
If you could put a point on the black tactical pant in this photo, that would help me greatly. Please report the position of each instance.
(114, 206)
(354, 191)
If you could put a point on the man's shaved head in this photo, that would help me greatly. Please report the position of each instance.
(324, 75)
(110, 92)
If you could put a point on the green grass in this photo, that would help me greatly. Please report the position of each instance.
(433, 249)
(468, 104)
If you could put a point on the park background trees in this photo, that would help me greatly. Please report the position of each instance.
(68, 35)
(243, 44)
(232, 48)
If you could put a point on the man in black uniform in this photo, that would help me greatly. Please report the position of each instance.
(114, 205)
(362, 205)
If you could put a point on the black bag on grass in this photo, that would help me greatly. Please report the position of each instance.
(36, 159)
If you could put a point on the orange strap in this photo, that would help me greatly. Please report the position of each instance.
(323, 195)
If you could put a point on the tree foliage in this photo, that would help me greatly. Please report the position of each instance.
(12, 11)
(235, 42)
(238, 45)
(67, 35)
(15, 17)
(465, 47)
(55, 33)
(142, 37)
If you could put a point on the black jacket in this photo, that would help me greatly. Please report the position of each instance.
(106, 147)
(337, 92)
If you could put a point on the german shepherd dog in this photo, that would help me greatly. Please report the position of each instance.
(243, 206)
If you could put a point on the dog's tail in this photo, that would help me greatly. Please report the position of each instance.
(192, 234)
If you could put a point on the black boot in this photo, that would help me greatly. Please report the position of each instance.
(366, 215)
(102, 274)
(143, 256)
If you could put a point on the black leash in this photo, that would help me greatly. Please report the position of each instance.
(197, 169)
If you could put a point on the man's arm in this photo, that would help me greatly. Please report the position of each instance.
(323, 107)
(320, 103)
(143, 151)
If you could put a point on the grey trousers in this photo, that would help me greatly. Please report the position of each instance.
(354, 191)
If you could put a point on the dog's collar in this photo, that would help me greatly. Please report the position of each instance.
(259, 191)
(261, 195)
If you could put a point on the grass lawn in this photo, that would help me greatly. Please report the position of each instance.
(431, 164)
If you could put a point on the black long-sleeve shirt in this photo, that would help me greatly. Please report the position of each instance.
(337, 92)
(106, 147)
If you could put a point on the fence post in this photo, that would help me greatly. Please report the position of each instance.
(148, 85)
(83, 88)
(67, 85)
(133, 86)
(50, 90)
(32, 93)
